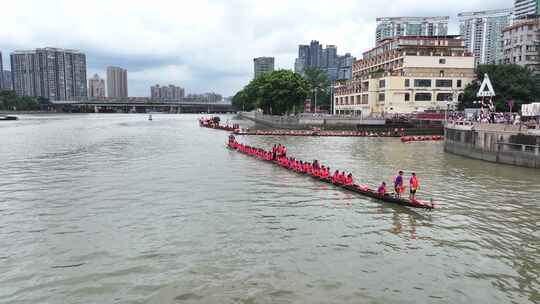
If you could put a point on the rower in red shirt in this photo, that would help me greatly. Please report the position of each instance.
(349, 179)
(382, 189)
(335, 177)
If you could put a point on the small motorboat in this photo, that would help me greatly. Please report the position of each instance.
(9, 117)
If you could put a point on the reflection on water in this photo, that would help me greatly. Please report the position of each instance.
(103, 208)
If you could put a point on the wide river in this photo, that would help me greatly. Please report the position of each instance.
(118, 209)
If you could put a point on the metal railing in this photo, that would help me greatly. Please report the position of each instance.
(534, 149)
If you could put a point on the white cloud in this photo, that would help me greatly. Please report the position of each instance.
(205, 44)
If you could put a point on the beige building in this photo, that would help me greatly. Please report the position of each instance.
(117, 82)
(521, 44)
(406, 75)
(96, 87)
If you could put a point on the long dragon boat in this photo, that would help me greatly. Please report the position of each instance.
(358, 189)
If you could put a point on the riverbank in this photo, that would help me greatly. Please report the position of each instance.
(341, 123)
(498, 143)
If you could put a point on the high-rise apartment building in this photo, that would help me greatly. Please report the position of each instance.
(389, 27)
(406, 75)
(262, 65)
(2, 81)
(167, 93)
(326, 59)
(96, 87)
(117, 86)
(206, 97)
(526, 8)
(521, 44)
(8, 84)
(482, 33)
(52, 73)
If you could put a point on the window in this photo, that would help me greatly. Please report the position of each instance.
(365, 99)
(442, 61)
(407, 97)
(443, 83)
(441, 74)
(444, 97)
(422, 97)
(382, 83)
(459, 83)
(407, 83)
(423, 83)
(381, 97)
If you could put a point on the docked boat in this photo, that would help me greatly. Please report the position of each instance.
(214, 123)
(9, 117)
(407, 139)
(360, 189)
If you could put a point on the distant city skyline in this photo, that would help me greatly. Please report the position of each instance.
(161, 48)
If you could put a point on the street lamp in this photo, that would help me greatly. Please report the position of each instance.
(315, 93)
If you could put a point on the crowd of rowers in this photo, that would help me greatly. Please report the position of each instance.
(319, 133)
(214, 123)
(315, 169)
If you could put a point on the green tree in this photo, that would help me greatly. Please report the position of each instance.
(277, 92)
(10, 101)
(242, 102)
(510, 82)
(319, 86)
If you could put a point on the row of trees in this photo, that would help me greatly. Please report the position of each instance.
(10, 101)
(510, 82)
(283, 91)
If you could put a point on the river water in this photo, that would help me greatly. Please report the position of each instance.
(118, 209)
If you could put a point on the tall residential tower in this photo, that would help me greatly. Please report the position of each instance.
(52, 73)
(96, 87)
(521, 44)
(117, 86)
(482, 33)
(1, 72)
(262, 65)
(326, 59)
(526, 8)
(389, 27)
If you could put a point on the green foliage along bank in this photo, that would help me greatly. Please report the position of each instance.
(278, 92)
(319, 86)
(9, 101)
(510, 82)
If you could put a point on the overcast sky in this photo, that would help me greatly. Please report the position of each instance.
(204, 45)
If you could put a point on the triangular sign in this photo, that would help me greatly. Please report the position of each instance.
(486, 89)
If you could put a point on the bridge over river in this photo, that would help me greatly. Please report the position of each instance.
(137, 107)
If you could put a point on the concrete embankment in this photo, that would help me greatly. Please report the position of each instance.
(307, 122)
(505, 144)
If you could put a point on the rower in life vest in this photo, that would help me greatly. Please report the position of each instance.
(349, 180)
(382, 189)
(413, 182)
(398, 184)
(335, 177)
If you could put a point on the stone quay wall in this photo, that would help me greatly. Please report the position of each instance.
(309, 121)
(498, 143)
